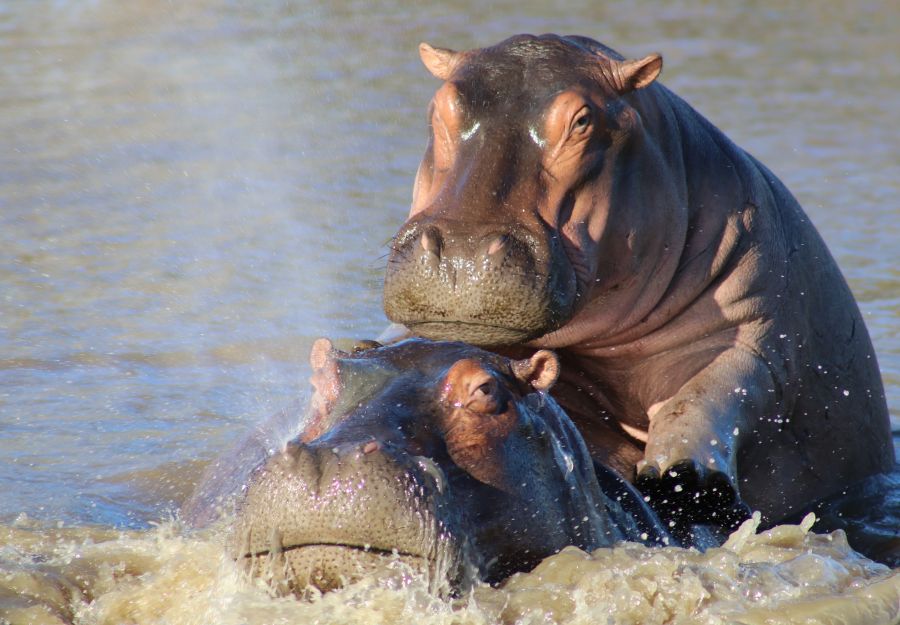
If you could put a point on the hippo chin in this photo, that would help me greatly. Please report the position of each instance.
(711, 349)
(439, 458)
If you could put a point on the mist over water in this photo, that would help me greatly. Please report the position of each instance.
(191, 193)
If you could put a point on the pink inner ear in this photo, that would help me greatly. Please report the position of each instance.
(546, 365)
(322, 350)
(638, 73)
(438, 61)
(540, 371)
(326, 380)
(326, 383)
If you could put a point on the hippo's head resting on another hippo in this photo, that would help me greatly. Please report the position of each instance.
(439, 455)
(506, 216)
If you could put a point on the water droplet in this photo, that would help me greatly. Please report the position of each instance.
(570, 463)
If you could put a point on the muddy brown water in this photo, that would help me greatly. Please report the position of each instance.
(191, 193)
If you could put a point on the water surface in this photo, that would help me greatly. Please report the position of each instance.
(191, 193)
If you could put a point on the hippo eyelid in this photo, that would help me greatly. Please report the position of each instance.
(582, 120)
(484, 396)
(486, 387)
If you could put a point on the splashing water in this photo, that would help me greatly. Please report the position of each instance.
(90, 576)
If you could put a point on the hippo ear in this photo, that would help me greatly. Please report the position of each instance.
(638, 73)
(439, 61)
(540, 371)
(326, 383)
(323, 351)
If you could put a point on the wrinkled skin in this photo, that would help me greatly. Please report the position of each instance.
(444, 457)
(711, 350)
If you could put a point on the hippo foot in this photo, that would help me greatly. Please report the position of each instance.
(687, 493)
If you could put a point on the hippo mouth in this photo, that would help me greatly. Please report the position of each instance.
(295, 569)
(345, 546)
(473, 332)
(501, 322)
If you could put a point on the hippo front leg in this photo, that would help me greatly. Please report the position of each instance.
(689, 469)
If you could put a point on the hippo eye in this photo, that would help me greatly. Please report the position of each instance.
(484, 390)
(485, 398)
(582, 120)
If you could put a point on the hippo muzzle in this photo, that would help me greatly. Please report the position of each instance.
(476, 283)
(322, 516)
(437, 459)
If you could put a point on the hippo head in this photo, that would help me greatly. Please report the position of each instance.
(511, 201)
(446, 458)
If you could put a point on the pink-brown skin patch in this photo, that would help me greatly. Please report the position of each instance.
(326, 384)
(478, 411)
(479, 415)
(568, 201)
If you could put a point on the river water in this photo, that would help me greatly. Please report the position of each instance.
(191, 193)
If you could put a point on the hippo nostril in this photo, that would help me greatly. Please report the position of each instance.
(371, 446)
(431, 241)
(497, 243)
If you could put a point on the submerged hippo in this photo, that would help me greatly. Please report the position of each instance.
(447, 458)
(708, 341)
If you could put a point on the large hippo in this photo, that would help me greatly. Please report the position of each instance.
(446, 458)
(709, 344)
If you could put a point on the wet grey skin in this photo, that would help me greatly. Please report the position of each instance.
(372, 484)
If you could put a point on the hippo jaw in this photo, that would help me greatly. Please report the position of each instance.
(323, 518)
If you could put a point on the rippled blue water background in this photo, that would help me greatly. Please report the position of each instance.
(191, 193)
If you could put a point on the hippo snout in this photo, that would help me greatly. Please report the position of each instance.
(475, 282)
(325, 516)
